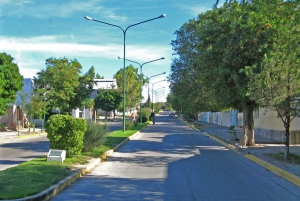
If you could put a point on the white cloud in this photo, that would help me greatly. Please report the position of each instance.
(52, 9)
(30, 53)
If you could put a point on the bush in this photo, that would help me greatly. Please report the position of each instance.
(94, 135)
(66, 133)
(2, 128)
(128, 124)
(146, 112)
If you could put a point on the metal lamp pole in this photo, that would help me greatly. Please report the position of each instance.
(124, 39)
(149, 85)
(153, 89)
(158, 92)
(141, 71)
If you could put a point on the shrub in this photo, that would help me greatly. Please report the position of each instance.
(2, 128)
(66, 133)
(146, 112)
(128, 124)
(94, 135)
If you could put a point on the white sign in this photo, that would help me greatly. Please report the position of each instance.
(56, 155)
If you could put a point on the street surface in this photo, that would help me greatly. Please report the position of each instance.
(171, 161)
(14, 153)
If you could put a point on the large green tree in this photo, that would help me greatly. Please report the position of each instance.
(276, 86)
(63, 85)
(216, 51)
(133, 85)
(10, 81)
(108, 100)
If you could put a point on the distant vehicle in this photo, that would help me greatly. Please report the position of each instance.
(171, 114)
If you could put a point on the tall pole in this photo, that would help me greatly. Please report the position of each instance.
(124, 74)
(153, 90)
(141, 73)
(149, 85)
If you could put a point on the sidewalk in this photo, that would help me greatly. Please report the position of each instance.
(263, 146)
(13, 136)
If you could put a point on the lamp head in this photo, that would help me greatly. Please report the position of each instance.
(162, 16)
(88, 18)
(164, 73)
(119, 57)
(162, 58)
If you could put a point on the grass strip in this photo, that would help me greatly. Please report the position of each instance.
(292, 158)
(32, 177)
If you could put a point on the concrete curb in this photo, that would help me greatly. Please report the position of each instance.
(55, 189)
(288, 176)
(30, 136)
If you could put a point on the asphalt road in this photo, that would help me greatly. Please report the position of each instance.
(14, 153)
(170, 161)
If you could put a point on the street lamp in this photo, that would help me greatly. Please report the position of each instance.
(159, 92)
(153, 88)
(149, 85)
(141, 71)
(124, 37)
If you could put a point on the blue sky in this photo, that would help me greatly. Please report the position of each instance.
(33, 30)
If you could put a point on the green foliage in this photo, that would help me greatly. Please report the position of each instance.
(221, 57)
(10, 81)
(94, 136)
(145, 114)
(30, 178)
(128, 124)
(133, 85)
(292, 158)
(2, 127)
(84, 90)
(63, 85)
(66, 133)
(232, 131)
(33, 104)
(108, 100)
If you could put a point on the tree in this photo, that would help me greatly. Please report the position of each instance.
(228, 41)
(234, 38)
(133, 85)
(84, 90)
(33, 105)
(10, 81)
(108, 100)
(277, 84)
(60, 82)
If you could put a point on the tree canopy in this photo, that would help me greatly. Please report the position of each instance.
(133, 85)
(11, 81)
(63, 85)
(108, 100)
(220, 54)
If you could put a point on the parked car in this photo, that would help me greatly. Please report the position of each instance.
(171, 114)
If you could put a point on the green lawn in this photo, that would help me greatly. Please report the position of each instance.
(32, 177)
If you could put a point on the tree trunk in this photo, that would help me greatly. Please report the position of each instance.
(248, 126)
(287, 124)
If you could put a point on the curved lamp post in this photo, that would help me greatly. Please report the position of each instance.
(141, 71)
(153, 90)
(149, 85)
(124, 37)
(158, 92)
